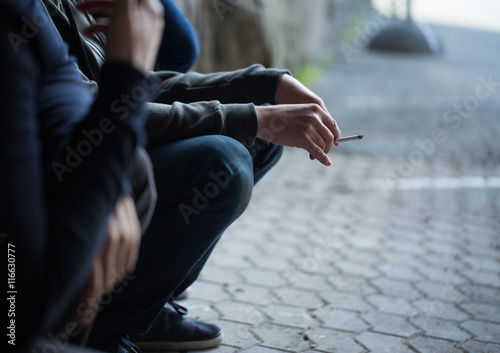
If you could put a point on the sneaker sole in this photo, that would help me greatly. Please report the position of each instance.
(180, 346)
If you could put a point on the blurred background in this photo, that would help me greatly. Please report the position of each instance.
(293, 33)
(396, 247)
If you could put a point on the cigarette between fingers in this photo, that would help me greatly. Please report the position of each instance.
(349, 138)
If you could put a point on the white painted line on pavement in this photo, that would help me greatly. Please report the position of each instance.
(441, 183)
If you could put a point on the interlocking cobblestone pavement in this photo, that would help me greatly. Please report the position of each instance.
(396, 247)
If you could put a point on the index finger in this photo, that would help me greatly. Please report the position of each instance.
(317, 153)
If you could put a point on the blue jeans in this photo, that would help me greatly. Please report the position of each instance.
(204, 184)
(179, 48)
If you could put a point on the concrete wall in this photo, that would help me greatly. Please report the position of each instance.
(278, 33)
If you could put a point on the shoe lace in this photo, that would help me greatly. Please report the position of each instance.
(178, 308)
(129, 346)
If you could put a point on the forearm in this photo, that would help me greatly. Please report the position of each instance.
(254, 84)
(168, 123)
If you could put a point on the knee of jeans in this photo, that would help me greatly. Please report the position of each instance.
(231, 169)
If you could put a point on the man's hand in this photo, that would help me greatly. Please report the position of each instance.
(117, 259)
(134, 32)
(306, 126)
(291, 91)
(315, 130)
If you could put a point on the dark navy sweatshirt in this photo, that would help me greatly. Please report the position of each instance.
(64, 161)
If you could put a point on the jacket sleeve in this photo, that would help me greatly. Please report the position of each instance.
(222, 103)
(167, 123)
(254, 84)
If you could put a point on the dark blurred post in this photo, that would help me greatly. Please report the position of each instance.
(406, 36)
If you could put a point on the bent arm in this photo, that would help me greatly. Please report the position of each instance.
(220, 103)
(254, 84)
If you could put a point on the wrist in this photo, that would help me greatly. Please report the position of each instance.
(261, 111)
(281, 88)
(264, 115)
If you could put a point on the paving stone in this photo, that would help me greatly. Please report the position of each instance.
(404, 248)
(361, 256)
(340, 319)
(441, 291)
(269, 262)
(250, 293)
(366, 240)
(390, 324)
(299, 298)
(399, 272)
(263, 277)
(441, 274)
(443, 262)
(331, 341)
(282, 337)
(441, 329)
(483, 331)
(380, 343)
(222, 275)
(395, 258)
(199, 309)
(489, 248)
(481, 347)
(229, 261)
(241, 312)
(288, 252)
(355, 285)
(483, 312)
(392, 305)
(482, 294)
(483, 277)
(290, 316)
(208, 291)
(309, 281)
(220, 349)
(357, 269)
(259, 349)
(432, 345)
(396, 288)
(237, 335)
(482, 263)
(440, 251)
(347, 301)
(439, 309)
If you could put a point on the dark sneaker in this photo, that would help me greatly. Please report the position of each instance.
(172, 332)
